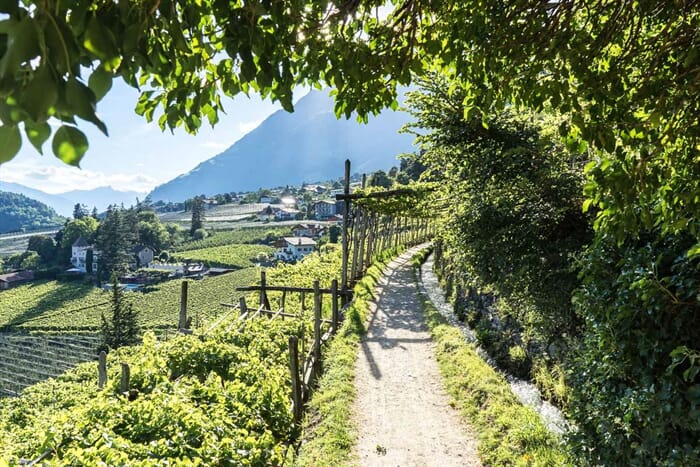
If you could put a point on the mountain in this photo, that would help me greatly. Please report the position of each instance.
(102, 197)
(62, 205)
(290, 148)
(19, 212)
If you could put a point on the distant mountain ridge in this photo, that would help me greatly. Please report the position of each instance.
(290, 148)
(18, 212)
(63, 203)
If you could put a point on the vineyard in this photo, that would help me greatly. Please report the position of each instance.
(27, 360)
(224, 212)
(233, 237)
(59, 306)
(220, 397)
(228, 256)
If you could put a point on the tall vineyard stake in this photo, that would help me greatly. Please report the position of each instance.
(357, 220)
(126, 374)
(296, 381)
(317, 329)
(242, 306)
(361, 247)
(264, 302)
(182, 322)
(346, 214)
(335, 317)
(102, 370)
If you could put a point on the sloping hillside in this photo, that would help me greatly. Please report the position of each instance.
(290, 148)
(18, 212)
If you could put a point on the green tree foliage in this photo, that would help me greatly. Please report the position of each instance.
(197, 214)
(45, 246)
(511, 200)
(151, 231)
(121, 329)
(17, 212)
(379, 179)
(635, 385)
(80, 211)
(333, 234)
(114, 240)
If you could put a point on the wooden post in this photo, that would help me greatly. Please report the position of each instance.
(335, 318)
(102, 370)
(182, 322)
(126, 374)
(242, 305)
(317, 329)
(364, 181)
(303, 302)
(358, 223)
(296, 380)
(283, 299)
(346, 214)
(263, 294)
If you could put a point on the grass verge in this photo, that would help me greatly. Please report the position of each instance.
(508, 432)
(328, 432)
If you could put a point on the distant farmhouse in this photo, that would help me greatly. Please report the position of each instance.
(308, 230)
(143, 256)
(15, 278)
(79, 255)
(294, 248)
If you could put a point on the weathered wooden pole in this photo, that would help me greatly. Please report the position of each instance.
(317, 329)
(126, 374)
(296, 380)
(242, 305)
(335, 316)
(346, 215)
(182, 322)
(264, 302)
(102, 370)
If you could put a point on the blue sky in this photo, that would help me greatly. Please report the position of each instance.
(136, 156)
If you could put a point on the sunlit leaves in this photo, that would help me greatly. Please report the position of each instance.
(69, 144)
(37, 133)
(10, 142)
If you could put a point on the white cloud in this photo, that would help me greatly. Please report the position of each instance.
(215, 145)
(60, 179)
(245, 127)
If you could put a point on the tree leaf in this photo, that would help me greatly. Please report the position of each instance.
(40, 94)
(10, 142)
(100, 82)
(37, 133)
(69, 144)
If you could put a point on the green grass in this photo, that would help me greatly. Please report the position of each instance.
(328, 432)
(508, 432)
(60, 306)
(227, 256)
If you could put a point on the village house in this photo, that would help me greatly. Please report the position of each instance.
(79, 253)
(143, 256)
(286, 214)
(294, 248)
(308, 230)
(13, 279)
(324, 209)
(267, 214)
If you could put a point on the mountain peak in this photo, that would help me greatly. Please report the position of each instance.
(290, 148)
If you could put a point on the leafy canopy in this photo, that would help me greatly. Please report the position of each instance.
(636, 64)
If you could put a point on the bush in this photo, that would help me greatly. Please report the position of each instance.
(636, 379)
(199, 234)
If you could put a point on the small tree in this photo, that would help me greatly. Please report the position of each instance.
(197, 214)
(333, 233)
(122, 329)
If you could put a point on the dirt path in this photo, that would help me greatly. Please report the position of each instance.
(401, 410)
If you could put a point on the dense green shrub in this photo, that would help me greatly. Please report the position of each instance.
(635, 384)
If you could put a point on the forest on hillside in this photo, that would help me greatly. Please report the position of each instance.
(17, 213)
